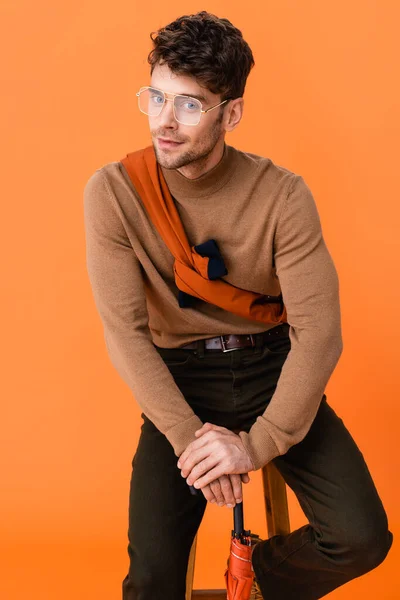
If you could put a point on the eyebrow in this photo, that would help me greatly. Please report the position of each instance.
(197, 96)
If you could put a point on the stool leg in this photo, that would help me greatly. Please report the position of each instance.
(190, 570)
(276, 505)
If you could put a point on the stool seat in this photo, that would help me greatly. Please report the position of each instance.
(277, 515)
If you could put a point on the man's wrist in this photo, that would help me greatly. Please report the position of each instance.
(259, 445)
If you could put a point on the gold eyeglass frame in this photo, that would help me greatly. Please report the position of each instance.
(146, 87)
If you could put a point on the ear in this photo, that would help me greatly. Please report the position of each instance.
(234, 114)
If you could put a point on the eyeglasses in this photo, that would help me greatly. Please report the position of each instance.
(187, 110)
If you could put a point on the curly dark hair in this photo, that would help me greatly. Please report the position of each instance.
(207, 48)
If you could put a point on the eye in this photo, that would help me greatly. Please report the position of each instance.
(187, 104)
(156, 98)
(190, 105)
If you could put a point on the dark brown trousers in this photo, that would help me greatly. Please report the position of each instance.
(347, 534)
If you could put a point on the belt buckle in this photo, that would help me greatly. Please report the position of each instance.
(224, 348)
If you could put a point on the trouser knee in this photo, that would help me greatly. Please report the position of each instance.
(364, 553)
(372, 552)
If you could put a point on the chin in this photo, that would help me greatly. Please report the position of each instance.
(165, 161)
(169, 161)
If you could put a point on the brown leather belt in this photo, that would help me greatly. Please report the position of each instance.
(227, 343)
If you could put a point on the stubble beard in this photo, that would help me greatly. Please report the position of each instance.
(198, 154)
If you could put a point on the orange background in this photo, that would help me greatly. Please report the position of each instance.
(323, 101)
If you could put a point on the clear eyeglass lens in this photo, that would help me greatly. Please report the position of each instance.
(187, 110)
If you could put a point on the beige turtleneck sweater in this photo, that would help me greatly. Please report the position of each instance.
(266, 224)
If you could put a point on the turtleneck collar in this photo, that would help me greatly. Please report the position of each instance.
(206, 184)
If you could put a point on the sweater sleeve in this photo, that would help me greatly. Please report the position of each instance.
(310, 289)
(116, 280)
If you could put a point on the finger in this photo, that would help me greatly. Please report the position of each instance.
(209, 426)
(202, 468)
(194, 459)
(212, 428)
(236, 483)
(214, 473)
(216, 488)
(184, 455)
(192, 447)
(227, 490)
(204, 440)
(205, 427)
(208, 494)
(245, 477)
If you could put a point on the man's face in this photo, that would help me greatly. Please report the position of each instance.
(198, 141)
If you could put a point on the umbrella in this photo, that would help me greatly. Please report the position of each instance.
(239, 574)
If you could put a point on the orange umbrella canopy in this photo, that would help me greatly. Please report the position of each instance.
(239, 574)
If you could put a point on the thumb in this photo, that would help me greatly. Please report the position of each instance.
(205, 427)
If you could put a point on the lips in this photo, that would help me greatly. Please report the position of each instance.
(166, 140)
(168, 143)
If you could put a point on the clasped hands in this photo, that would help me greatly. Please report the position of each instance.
(217, 463)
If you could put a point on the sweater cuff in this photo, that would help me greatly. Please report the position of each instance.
(182, 434)
(259, 445)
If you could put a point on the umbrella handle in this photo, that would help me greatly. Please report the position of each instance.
(193, 490)
(238, 525)
(238, 521)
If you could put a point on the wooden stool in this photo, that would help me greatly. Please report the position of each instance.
(276, 508)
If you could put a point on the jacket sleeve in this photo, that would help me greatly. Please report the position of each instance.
(116, 280)
(310, 289)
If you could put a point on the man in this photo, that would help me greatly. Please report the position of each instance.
(222, 394)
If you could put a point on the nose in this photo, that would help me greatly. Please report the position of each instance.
(167, 118)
